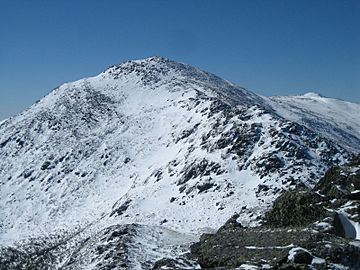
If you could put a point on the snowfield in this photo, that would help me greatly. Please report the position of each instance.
(332, 118)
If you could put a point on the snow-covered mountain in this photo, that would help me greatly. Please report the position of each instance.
(335, 119)
(160, 144)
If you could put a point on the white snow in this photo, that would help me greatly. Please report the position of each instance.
(330, 117)
(124, 140)
(270, 247)
(351, 228)
(323, 225)
(248, 267)
(132, 121)
(317, 260)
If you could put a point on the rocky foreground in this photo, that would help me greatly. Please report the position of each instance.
(306, 229)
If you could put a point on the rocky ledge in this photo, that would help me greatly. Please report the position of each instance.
(316, 228)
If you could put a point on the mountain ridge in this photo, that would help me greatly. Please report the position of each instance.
(330, 117)
(155, 143)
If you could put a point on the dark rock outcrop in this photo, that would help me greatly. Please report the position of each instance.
(305, 229)
(295, 209)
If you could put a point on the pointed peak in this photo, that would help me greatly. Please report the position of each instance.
(158, 70)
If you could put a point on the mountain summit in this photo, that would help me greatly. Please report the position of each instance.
(156, 143)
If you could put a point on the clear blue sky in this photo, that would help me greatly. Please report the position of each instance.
(270, 47)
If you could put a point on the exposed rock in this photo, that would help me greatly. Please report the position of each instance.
(300, 256)
(230, 248)
(256, 246)
(183, 262)
(120, 210)
(305, 229)
(295, 208)
(166, 263)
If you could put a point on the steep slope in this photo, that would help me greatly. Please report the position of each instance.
(153, 142)
(335, 119)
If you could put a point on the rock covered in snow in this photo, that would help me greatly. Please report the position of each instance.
(155, 143)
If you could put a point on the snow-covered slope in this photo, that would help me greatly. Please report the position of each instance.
(336, 119)
(153, 142)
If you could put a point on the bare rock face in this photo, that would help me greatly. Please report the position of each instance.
(295, 209)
